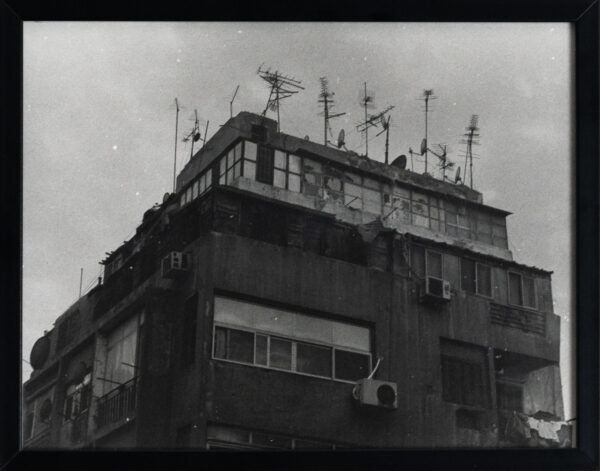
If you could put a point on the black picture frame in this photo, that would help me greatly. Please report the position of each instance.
(584, 14)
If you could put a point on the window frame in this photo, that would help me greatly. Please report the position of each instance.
(441, 254)
(294, 342)
(521, 277)
(477, 293)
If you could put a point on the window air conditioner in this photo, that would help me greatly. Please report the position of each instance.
(174, 265)
(373, 392)
(436, 288)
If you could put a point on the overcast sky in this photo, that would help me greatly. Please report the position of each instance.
(99, 126)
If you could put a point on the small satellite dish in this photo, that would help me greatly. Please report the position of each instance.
(423, 146)
(306, 138)
(457, 176)
(341, 139)
(166, 197)
(40, 352)
(400, 162)
(196, 137)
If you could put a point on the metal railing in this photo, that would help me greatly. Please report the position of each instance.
(79, 428)
(117, 405)
(528, 321)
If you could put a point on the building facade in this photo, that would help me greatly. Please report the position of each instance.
(291, 295)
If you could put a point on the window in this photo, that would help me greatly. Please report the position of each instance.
(199, 186)
(287, 171)
(476, 277)
(457, 221)
(264, 165)
(188, 347)
(77, 399)
(509, 396)
(362, 193)
(230, 165)
(434, 264)
(426, 262)
(521, 290)
(250, 160)
(278, 339)
(121, 354)
(464, 373)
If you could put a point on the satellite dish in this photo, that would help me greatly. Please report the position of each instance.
(341, 139)
(40, 352)
(166, 197)
(457, 176)
(306, 138)
(423, 146)
(400, 162)
(196, 137)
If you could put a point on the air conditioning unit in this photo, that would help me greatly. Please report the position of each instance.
(437, 289)
(174, 265)
(373, 392)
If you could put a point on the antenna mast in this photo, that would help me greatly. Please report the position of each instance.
(194, 135)
(367, 102)
(326, 98)
(374, 120)
(231, 102)
(427, 95)
(281, 87)
(385, 123)
(471, 135)
(175, 156)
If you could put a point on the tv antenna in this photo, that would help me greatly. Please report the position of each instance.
(194, 134)
(385, 124)
(444, 163)
(341, 140)
(472, 135)
(326, 98)
(366, 101)
(427, 95)
(376, 120)
(177, 109)
(231, 102)
(281, 87)
(457, 176)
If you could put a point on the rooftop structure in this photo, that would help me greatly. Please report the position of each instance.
(293, 295)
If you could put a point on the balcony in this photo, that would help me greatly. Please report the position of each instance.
(522, 319)
(118, 406)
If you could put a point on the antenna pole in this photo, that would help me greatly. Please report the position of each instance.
(196, 125)
(326, 120)
(175, 156)
(426, 112)
(80, 281)
(277, 101)
(205, 133)
(387, 139)
(366, 128)
(281, 86)
(231, 102)
(326, 97)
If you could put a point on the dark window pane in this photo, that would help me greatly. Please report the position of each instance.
(313, 359)
(280, 354)
(529, 292)
(264, 165)
(220, 347)
(514, 288)
(417, 259)
(261, 350)
(467, 271)
(434, 264)
(510, 397)
(484, 280)
(240, 346)
(351, 366)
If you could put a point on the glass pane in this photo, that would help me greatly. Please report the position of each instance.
(467, 271)
(220, 345)
(230, 175)
(188, 195)
(351, 366)
(514, 288)
(280, 160)
(182, 200)
(529, 292)
(237, 170)
(332, 183)
(208, 176)
(434, 225)
(238, 152)
(222, 165)
(261, 350)
(354, 336)
(419, 208)
(352, 178)
(422, 221)
(295, 163)
(273, 320)
(313, 359)
(294, 182)
(484, 227)
(402, 192)
(233, 312)
(222, 180)
(280, 355)
(240, 346)
(250, 170)
(195, 190)
(433, 212)
(230, 158)
(250, 150)
(434, 264)
(279, 178)
(484, 280)
(370, 183)
(313, 328)
(419, 198)
(372, 197)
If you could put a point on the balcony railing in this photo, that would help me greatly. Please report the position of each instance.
(79, 428)
(528, 321)
(119, 404)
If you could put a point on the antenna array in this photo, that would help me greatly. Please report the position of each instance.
(472, 135)
(326, 98)
(427, 95)
(281, 87)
